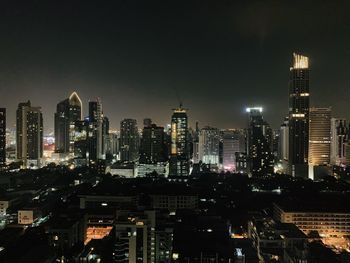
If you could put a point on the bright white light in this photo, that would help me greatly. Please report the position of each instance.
(250, 109)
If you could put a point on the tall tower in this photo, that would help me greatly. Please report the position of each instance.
(67, 113)
(179, 166)
(29, 134)
(129, 140)
(2, 138)
(299, 103)
(95, 134)
(320, 136)
(259, 141)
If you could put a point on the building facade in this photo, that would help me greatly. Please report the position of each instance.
(179, 166)
(259, 141)
(67, 113)
(299, 103)
(339, 138)
(319, 136)
(209, 140)
(233, 141)
(29, 134)
(129, 140)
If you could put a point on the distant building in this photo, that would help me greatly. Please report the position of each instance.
(129, 140)
(299, 103)
(209, 139)
(283, 147)
(81, 142)
(233, 142)
(153, 148)
(339, 138)
(96, 132)
(319, 136)
(67, 113)
(179, 153)
(259, 141)
(2, 138)
(29, 134)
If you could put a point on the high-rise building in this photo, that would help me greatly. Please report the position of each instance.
(67, 113)
(179, 166)
(299, 103)
(259, 141)
(129, 140)
(152, 148)
(233, 142)
(2, 138)
(97, 124)
(339, 138)
(209, 139)
(283, 146)
(29, 134)
(319, 136)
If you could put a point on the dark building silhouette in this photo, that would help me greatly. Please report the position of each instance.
(259, 138)
(2, 138)
(129, 140)
(299, 103)
(29, 133)
(179, 164)
(153, 147)
(67, 113)
(95, 132)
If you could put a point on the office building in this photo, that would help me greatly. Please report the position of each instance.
(283, 146)
(233, 142)
(67, 113)
(209, 139)
(319, 136)
(299, 103)
(179, 165)
(339, 138)
(152, 148)
(259, 141)
(29, 134)
(2, 138)
(129, 141)
(96, 132)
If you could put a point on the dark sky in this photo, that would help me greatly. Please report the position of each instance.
(139, 57)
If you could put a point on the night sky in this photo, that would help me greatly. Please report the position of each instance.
(142, 57)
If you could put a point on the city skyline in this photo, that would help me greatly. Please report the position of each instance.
(134, 57)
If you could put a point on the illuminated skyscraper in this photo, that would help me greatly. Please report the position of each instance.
(209, 139)
(339, 138)
(129, 140)
(67, 113)
(179, 165)
(2, 138)
(29, 134)
(259, 141)
(320, 133)
(299, 103)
